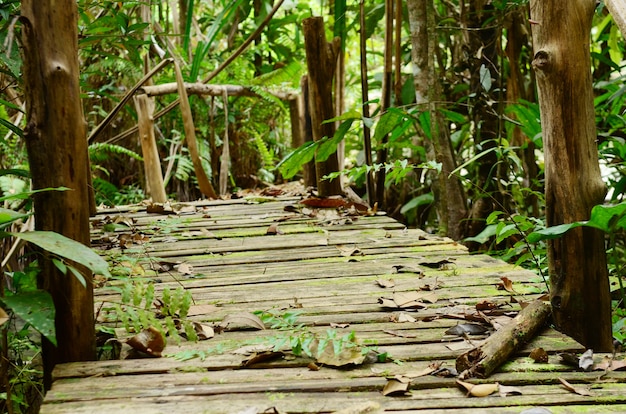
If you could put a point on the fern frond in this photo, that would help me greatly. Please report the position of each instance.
(266, 156)
(287, 75)
(100, 151)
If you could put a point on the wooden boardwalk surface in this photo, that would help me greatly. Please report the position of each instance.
(322, 266)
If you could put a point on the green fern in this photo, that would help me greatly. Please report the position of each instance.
(100, 151)
(267, 158)
(287, 75)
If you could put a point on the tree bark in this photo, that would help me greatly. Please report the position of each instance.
(321, 58)
(56, 142)
(579, 294)
(309, 175)
(450, 197)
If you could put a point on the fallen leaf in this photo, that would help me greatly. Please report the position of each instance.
(395, 387)
(445, 372)
(571, 359)
(255, 358)
(312, 366)
(459, 346)
(575, 390)
(349, 354)
(324, 202)
(505, 390)
(273, 230)
(506, 284)
(478, 390)
(347, 251)
(466, 329)
(149, 341)
(426, 371)
(253, 349)
(339, 325)
(243, 319)
(408, 300)
(385, 283)
(487, 305)
(539, 355)
(431, 297)
(185, 269)
(610, 365)
(405, 317)
(585, 362)
(387, 303)
(204, 331)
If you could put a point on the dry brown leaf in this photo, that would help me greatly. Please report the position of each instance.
(185, 269)
(347, 356)
(324, 202)
(405, 317)
(4, 317)
(431, 297)
(478, 390)
(539, 355)
(253, 349)
(395, 387)
(487, 305)
(205, 309)
(204, 331)
(339, 325)
(273, 230)
(406, 269)
(575, 390)
(149, 341)
(426, 371)
(347, 251)
(243, 319)
(609, 364)
(408, 300)
(459, 346)
(387, 303)
(385, 283)
(312, 366)
(506, 284)
(261, 357)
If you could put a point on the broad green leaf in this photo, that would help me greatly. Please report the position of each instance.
(27, 194)
(390, 120)
(420, 200)
(65, 247)
(9, 216)
(552, 232)
(484, 236)
(35, 308)
(608, 218)
(328, 147)
(291, 164)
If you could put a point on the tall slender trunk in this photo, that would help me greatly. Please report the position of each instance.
(56, 142)
(450, 197)
(579, 293)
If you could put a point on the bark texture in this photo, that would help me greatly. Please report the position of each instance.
(149, 150)
(321, 58)
(56, 142)
(450, 197)
(486, 358)
(577, 261)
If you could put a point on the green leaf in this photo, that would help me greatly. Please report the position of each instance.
(484, 236)
(35, 308)
(291, 164)
(608, 218)
(9, 216)
(328, 147)
(552, 232)
(65, 247)
(390, 120)
(79, 276)
(420, 200)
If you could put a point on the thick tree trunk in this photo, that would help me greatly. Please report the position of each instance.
(450, 197)
(577, 261)
(309, 174)
(56, 141)
(321, 58)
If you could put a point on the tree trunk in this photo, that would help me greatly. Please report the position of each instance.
(450, 197)
(321, 58)
(579, 294)
(56, 142)
(309, 175)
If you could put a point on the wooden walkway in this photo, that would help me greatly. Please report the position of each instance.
(323, 266)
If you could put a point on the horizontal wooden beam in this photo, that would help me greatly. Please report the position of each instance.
(210, 90)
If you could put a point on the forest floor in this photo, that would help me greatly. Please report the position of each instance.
(382, 312)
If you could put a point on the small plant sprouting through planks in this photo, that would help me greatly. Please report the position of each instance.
(328, 348)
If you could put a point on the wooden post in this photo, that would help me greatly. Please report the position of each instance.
(309, 175)
(151, 160)
(56, 141)
(190, 136)
(579, 284)
(321, 58)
